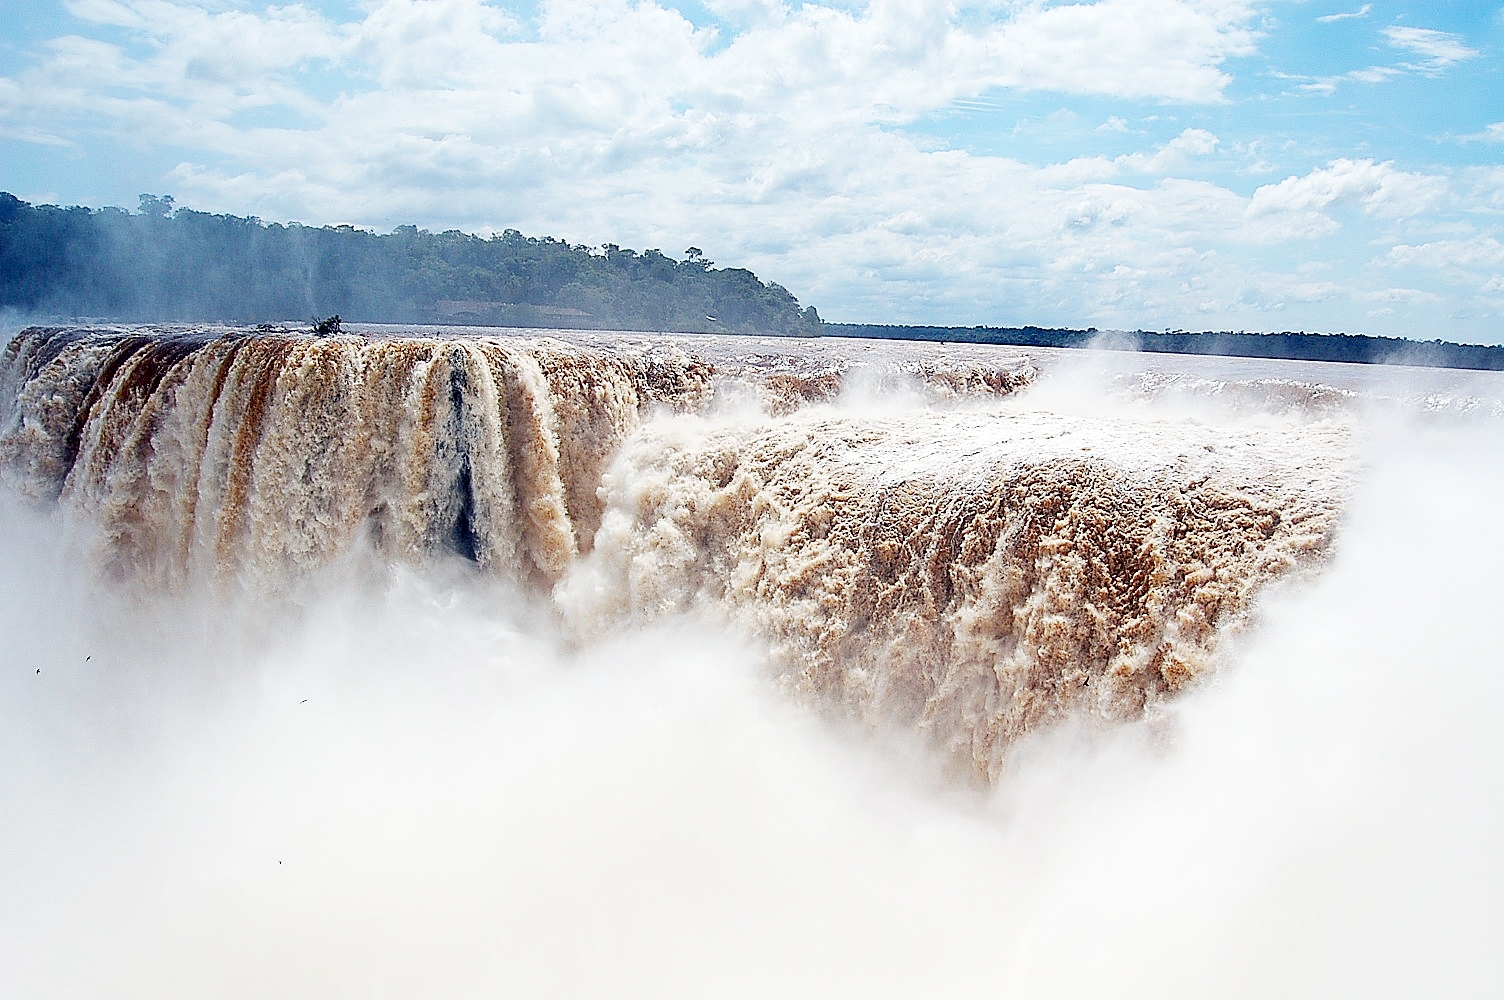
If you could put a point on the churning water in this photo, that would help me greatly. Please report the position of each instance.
(459, 665)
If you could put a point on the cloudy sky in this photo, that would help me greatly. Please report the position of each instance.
(1157, 164)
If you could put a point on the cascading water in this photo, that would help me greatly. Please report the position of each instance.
(448, 663)
(976, 571)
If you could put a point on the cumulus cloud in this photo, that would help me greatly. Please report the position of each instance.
(778, 136)
(1472, 267)
(190, 48)
(449, 109)
(1190, 143)
(1129, 48)
(1164, 159)
(886, 60)
(1480, 252)
(1299, 206)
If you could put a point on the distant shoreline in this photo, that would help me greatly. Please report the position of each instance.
(1360, 349)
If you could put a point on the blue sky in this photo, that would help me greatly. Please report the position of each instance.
(1157, 164)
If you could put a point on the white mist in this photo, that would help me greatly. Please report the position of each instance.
(406, 786)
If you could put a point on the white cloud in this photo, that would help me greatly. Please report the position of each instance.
(1172, 155)
(1298, 206)
(1437, 50)
(1469, 270)
(1493, 132)
(1194, 142)
(449, 105)
(1166, 158)
(1405, 296)
(123, 15)
(775, 140)
(1326, 85)
(1482, 253)
(1346, 15)
(1128, 48)
(426, 43)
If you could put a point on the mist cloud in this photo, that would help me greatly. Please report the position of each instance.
(407, 782)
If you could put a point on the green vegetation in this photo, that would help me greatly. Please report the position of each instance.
(162, 263)
(1300, 346)
(165, 264)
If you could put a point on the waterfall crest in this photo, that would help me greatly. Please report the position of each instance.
(969, 564)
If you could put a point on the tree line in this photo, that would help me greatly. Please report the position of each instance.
(161, 263)
(1301, 346)
(164, 263)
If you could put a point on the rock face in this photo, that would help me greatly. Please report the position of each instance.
(966, 563)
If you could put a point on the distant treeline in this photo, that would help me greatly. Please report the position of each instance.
(163, 264)
(1357, 348)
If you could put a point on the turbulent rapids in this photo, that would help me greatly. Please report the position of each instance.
(969, 563)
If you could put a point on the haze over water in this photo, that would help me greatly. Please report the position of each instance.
(321, 765)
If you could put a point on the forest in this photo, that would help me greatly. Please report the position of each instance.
(1301, 346)
(161, 263)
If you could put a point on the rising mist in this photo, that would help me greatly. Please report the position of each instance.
(394, 765)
